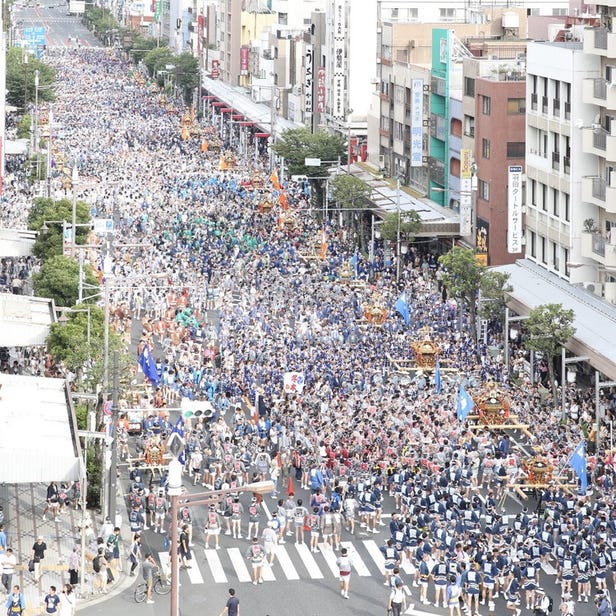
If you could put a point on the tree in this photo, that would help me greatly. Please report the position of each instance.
(462, 277)
(410, 225)
(351, 194)
(137, 46)
(156, 60)
(20, 79)
(297, 144)
(49, 242)
(58, 279)
(549, 328)
(494, 287)
(187, 74)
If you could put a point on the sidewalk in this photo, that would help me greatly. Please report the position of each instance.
(23, 521)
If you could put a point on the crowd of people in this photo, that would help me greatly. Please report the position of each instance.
(358, 435)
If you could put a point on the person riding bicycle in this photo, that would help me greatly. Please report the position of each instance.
(148, 567)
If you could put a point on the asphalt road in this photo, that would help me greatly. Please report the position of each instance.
(62, 30)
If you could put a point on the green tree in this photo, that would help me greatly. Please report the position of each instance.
(58, 279)
(462, 277)
(410, 225)
(494, 287)
(549, 327)
(20, 78)
(138, 46)
(297, 144)
(49, 241)
(351, 196)
(156, 60)
(187, 75)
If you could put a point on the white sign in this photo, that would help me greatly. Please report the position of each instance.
(293, 382)
(339, 41)
(102, 225)
(514, 210)
(308, 82)
(312, 162)
(416, 122)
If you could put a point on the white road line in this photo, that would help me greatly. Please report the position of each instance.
(266, 509)
(330, 558)
(239, 564)
(267, 573)
(309, 562)
(286, 564)
(213, 561)
(411, 610)
(375, 553)
(356, 561)
(194, 573)
(547, 567)
(407, 566)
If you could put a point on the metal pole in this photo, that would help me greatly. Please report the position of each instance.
(113, 468)
(84, 488)
(507, 340)
(532, 367)
(398, 231)
(563, 383)
(80, 282)
(175, 488)
(597, 412)
(75, 179)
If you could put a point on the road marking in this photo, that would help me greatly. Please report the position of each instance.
(356, 562)
(547, 567)
(375, 553)
(266, 572)
(285, 563)
(407, 566)
(411, 610)
(330, 558)
(213, 561)
(309, 562)
(237, 560)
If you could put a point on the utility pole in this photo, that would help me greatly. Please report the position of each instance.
(115, 398)
(398, 230)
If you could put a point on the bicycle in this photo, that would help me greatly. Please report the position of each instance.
(161, 586)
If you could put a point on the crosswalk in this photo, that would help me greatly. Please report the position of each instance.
(292, 562)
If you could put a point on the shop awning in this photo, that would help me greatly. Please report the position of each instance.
(262, 135)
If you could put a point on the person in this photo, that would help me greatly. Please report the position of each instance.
(99, 566)
(67, 601)
(15, 602)
(256, 555)
(3, 543)
(148, 566)
(452, 596)
(8, 562)
(602, 602)
(113, 547)
(52, 502)
(135, 554)
(184, 548)
(73, 566)
(232, 607)
(397, 600)
(270, 538)
(51, 601)
(38, 554)
(212, 527)
(343, 562)
(542, 603)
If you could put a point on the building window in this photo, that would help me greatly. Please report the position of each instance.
(516, 106)
(554, 247)
(533, 192)
(544, 197)
(484, 190)
(447, 14)
(566, 206)
(399, 95)
(544, 251)
(485, 148)
(454, 167)
(555, 202)
(486, 103)
(469, 126)
(533, 244)
(559, 12)
(455, 127)
(398, 131)
(469, 86)
(515, 149)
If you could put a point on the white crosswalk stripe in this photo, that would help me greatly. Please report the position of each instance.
(356, 562)
(375, 553)
(309, 562)
(213, 560)
(285, 562)
(239, 564)
(330, 558)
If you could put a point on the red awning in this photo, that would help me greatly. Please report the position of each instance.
(246, 123)
(218, 104)
(207, 97)
(262, 135)
(226, 110)
(237, 116)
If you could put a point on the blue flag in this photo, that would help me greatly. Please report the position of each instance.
(578, 464)
(402, 307)
(465, 404)
(178, 428)
(437, 377)
(148, 365)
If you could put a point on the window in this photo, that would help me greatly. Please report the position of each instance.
(559, 12)
(454, 167)
(533, 192)
(555, 202)
(455, 127)
(554, 250)
(485, 148)
(447, 14)
(469, 86)
(484, 190)
(413, 13)
(398, 131)
(399, 94)
(544, 197)
(486, 103)
(566, 206)
(544, 252)
(515, 149)
(469, 126)
(516, 106)
(533, 244)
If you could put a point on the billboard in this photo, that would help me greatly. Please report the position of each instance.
(416, 122)
(339, 40)
(321, 89)
(466, 195)
(244, 60)
(308, 82)
(514, 209)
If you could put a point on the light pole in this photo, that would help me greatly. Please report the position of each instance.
(398, 230)
(564, 362)
(508, 320)
(599, 385)
(74, 181)
(348, 114)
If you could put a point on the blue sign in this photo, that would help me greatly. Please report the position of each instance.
(35, 38)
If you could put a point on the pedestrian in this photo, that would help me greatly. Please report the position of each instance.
(67, 601)
(73, 566)
(52, 501)
(134, 556)
(270, 539)
(232, 607)
(51, 601)
(452, 596)
(3, 543)
(343, 562)
(113, 549)
(8, 562)
(184, 548)
(212, 527)
(148, 566)
(256, 555)
(99, 566)
(38, 554)
(397, 600)
(15, 602)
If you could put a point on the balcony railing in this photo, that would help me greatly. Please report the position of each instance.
(599, 139)
(600, 88)
(598, 244)
(601, 38)
(598, 188)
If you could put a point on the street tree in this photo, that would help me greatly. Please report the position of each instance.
(410, 225)
(462, 276)
(494, 287)
(58, 279)
(137, 46)
(297, 144)
(49, 241)
(187, 74)
(549, 327)
(21, 69)
(156, 60)
(351, 197)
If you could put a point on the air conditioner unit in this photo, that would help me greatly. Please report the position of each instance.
(378, 60)
(594, 287)
(426, 87)
(426, 122)
(424, 160)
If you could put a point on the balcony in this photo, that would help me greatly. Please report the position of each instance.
(598, 191)
(595, 246)
(600, 41)
(598, 91)
(599, 142)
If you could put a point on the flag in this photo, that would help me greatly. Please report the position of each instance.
(437, 377)
(282, 199)
(355, 264)
(293, 382)
(578, 464)
(274, 179)
(148, 365)
(465, 404)
(402, 307)
(323, 252)
(178, 428)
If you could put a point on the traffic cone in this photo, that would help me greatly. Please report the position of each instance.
(290, 490)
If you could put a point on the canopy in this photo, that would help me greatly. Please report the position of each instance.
(24, 320)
